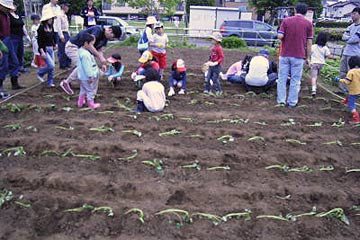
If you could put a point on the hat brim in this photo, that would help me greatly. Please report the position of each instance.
(112, 60)
(143, 60)
(11, 7)
(216, 39)
(47, 17)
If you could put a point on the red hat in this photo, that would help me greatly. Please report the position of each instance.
(114, 58)
(180, 65)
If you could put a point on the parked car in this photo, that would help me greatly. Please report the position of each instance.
(116, 21)
(254, 33)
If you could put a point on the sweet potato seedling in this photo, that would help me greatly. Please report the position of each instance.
(102, 129)
(337, 213)
(215, 219)
(87, 156)
(67, 109)
(316, 124)
(195, 165)
(335, 142)
(352, 170)
(157, 164)
(295, 217)
(246, 215)
(5, 196)
(188, 119)
(327, 168)
(280, 217)
(13, 127)
(131, 157)
(138, 211)
(69, 128)
(123, 106)
(286, 169)
(226, 168)
(290, 122)
(339, 124)
(225, 139)
(32, 128)
(294, 141)
(106, 112)
(261, 123)
(87, 207)
(13, 108)
(182, 215)
(194, 102)
(172, 132)
(15, 151)
(133, 131)
(256, 138)
(165, 116)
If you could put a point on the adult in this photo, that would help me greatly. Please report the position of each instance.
(63, 36)
(296, 35)
(17, 33)
(9, 62)
(102, 35)
(147, 35)
(90, 14)
(352, 48)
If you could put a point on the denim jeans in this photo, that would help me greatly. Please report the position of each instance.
(9, 62)
(213, 74)
(173, 82)
(294, 67)
(352, 101)
(64, 60)
(50, 66)
(236, 78)
(18, 44)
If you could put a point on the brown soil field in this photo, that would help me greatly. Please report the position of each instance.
(57, 172)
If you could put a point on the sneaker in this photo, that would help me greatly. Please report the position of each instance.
(280, 105)
(4, 95)
(40, 78)
(34, 65)
(219, 93)
(66, 87)
(313, 94)
(51, 85)
(182, 91)
(206, 92)
(171, 92)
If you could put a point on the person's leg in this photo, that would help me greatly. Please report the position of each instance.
(314, 75)
(344, 68)
(61, 53)
(4, 70)
(51, 66)
(67, 59)
(215, 78)
(236, 78)
(91, 89)
(352, 108)
(271, 82)
(82, 95)
(207, 82)
(297, 65)
(172, 83)
(284, 70)
(20, 55)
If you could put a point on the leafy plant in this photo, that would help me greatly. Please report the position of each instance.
(340, 123)
(85, 207)
(70, 128)
(337, 213)
(335, 142)
(172, 132)
(12, 107)
(280, 217)
(216, 220)
(16, 151)
(226, 139)
(327, 168)
(67, 109)
(182, 215)
(233, 42)
(157, 164)
(138, 211)
(134, 132)
(5, 196)
(13, 127)
(286, 169)
(195, 165)
(124, 107)
(166, 116)
(290, 122)
(246, 215)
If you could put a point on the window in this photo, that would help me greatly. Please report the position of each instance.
(261, 27)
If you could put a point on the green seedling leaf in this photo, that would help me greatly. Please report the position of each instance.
(216, 220)
(256, 138)
(49, 153)
(157, 164)
(172, 132)
(290, 122)
(182, 215)
(5, 196)
(84, 207)
(134, 132)
(190, 120)
(337, 213)
(340, 123)
(246, 215)
(138, 211)
(316, 124)
(12, 107)
(106, 112)
(13, 127)
(195, 165)
(15, 151)
(131, 157)
(327, 168)
(102, 129)
(87, 156)
(294, 141)
(281, 218)
(124, 107)
(226, 139)
(261, 123)
(352, 170)
(336, 142)
(218, 168)
(70, 128)
(104, 209)
(24, 205)
(67, 109)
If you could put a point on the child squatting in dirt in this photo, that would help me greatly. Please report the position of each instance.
(352, 79)
(177, 77)
(116, 69)
(88, 73)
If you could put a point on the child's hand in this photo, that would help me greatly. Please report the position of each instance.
(133, 75)
(211, 64)
(336, 79)
(110, 78)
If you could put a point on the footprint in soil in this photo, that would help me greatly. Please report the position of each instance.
(179, 197)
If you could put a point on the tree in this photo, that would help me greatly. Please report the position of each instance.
(166, 7)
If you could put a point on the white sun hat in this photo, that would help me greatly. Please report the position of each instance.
(216, 36)
(150, 20)
(8, 4)
(47, 15)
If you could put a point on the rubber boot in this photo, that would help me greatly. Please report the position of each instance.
(345, 101)
(93, 105)
(355, 116)
(81, 101)
(15, 84)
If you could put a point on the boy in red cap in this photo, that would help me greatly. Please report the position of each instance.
(177, 77)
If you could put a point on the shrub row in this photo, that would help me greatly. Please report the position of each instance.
(332, 24)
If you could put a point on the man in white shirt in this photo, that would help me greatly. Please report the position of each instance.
(261, 73)
(55, 8)
(63, 36)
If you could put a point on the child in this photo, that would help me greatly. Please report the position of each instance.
(47, 42)
(214, 63)
(177, 77)
(147, 35)
(116, 69)
(319, 51)
(353, 80)
(88, 72)
(147, 62)
(159, 46)
(233, 73)
(151, 97)
(37, 60)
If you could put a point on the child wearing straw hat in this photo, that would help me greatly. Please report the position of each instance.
(214, 63)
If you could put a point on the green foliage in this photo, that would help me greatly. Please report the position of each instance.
(233, 42)
(181, 44)
(28, 57)
(333, 24)
(198, 3)
(330, 71)
(130, 42)
(76, 5)
(333, 34)
(166, 7)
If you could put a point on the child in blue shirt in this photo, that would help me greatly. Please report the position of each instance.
(88, 73)
(116, 69)
(177, 77)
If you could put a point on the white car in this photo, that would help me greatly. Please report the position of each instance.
(116, 21)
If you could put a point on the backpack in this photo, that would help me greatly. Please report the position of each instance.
(143, 43)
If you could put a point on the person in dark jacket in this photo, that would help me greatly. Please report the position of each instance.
(90, 14)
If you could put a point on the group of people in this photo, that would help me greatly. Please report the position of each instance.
(51, 31)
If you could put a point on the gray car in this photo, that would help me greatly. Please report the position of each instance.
(116, 21)
(255, 33)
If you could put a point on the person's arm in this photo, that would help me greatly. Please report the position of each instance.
(308, 50)
(354, 39)
(119, 73)
(58, 21)
(282, 30)
(347, 80)
(82, 13)
(149, 34)
(346, 34)
(96, 13)
(41, 41)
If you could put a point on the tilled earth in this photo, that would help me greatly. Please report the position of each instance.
(67, 164)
